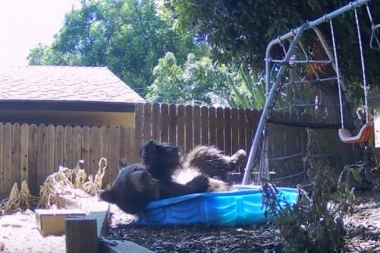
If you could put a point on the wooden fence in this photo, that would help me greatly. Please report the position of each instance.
(189, 126)
(32, 152)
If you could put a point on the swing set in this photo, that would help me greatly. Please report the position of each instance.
(274, 84)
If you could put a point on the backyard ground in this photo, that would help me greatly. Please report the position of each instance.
(19, 233)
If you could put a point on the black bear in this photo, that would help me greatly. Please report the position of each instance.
(211, 161)
(165, 174)
(134, 187)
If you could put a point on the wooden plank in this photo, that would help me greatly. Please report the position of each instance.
(94, 150)
(68, 148)
(51, 165)
(181, 126)
(77, 145)
(172, 124)
(139, 124)
(197, 125)
(24, 153)
(212, 125)
(81, 235)
(104, 149)
(123, 246)
(227, 131)
(59, 146)
(220, 129)
(133, 153)
(128, 151)
(156, 118)
(33, 183)
(86, 144)
(16, 153)
(234, 130)
(164, 123)
(204, 126)
(2, 190)
(8, 128)
(42, 154)
(189, 131)
(113, 160)
(147, 135)
(242, 142)
(252, 120)
(52, 221)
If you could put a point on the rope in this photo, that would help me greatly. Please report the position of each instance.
(363, 67)
(338, 74)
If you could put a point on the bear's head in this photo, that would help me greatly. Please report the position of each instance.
(132, 189)
(160, 158)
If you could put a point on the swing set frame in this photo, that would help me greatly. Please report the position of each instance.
(273, 86)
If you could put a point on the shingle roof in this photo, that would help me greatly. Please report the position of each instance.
(64, 83)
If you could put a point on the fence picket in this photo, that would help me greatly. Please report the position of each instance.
(2, 189)
(59, 146)
(164, 123)
(212, 126)
(197, 125)
(181, 126)
(173, 124)
(113, 159)
(204, 126)
(33, 160)
(51, 165)
(8, 129)
(227, 131)
(77, 145)
(42, 154)
(16, 154)
(86, 145)
(94, 150)
(104, 148)
(68, 148)
(188, 128)
(220, 129)
(24, 152)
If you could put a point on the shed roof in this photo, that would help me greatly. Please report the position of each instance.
(64, 84)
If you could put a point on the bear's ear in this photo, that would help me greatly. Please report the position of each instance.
(122, 163)
(109, 196)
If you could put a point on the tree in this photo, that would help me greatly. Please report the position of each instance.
(127, 36)
(239, 31)
(197, 80)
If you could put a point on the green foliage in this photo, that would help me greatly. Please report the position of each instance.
(197, 80)
(314, 224)
(245, 91)
(239, 31)
(127, 36)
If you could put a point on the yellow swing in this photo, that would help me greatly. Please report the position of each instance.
(366, 130)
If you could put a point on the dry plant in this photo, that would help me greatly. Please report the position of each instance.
(69, 182)
(17, 200)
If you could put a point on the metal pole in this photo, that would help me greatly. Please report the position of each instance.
(268, 102)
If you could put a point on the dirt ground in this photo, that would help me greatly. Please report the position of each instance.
(19, 233)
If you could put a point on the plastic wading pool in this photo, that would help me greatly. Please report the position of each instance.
(233, 208)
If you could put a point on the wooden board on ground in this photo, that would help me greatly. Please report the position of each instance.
(52, 221)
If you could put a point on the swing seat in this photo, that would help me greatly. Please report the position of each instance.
(363, 135)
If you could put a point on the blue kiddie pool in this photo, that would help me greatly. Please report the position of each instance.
(242, 206)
